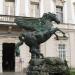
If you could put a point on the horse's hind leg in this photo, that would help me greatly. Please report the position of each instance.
(17, 48)
(38, 54)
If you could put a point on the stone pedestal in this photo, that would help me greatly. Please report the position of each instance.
(48, 66)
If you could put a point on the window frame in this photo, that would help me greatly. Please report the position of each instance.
(8, 6)
(61, 12)
(33, 3)
(62, 51)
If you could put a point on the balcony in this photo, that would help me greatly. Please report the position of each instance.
(7, 19)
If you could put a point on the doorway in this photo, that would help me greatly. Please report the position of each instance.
(8, 57)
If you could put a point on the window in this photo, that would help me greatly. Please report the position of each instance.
(59, 12)
(74, 8)
(62, 52)
(9, 7)
(34, 9)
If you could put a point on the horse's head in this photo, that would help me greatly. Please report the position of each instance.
(51, 17)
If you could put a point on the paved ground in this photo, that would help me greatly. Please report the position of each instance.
(12, 73)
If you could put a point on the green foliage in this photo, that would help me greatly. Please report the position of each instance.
(72, 73)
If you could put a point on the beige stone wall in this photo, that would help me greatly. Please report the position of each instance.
(72, 48)
(49, 48)
(22, 8)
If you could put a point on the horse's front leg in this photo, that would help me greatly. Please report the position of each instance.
(57, 38)
(57, 29)
(18, 44)
(53, 30)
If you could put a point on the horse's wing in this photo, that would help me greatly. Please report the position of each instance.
(33, 24)
(29, 24)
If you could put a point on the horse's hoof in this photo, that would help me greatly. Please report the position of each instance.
(64, 35)
(57, 38)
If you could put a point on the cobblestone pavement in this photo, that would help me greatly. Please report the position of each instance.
(12, 73)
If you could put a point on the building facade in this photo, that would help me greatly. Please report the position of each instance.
(9, 32)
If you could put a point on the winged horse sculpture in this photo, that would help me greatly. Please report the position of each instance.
(40, 30)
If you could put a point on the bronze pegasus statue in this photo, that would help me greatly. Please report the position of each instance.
(39, 31)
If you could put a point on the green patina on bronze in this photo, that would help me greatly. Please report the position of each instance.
(39, 31)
